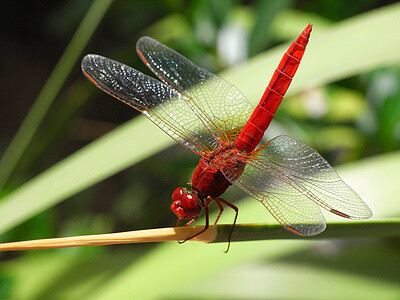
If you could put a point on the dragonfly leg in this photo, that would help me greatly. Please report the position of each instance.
(221, 209)
(188, 223)
(234, 221)
(178, 222)
(191, 221)
(208, 200)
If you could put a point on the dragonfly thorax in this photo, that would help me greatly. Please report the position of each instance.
(223, 148)
(224, 155)
(208, 178)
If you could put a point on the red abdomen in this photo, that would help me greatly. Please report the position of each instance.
(262, 116)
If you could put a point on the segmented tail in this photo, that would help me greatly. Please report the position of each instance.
(262, 116)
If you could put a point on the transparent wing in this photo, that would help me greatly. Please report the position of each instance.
(303, 165)
(218, 104)
(289, 177)
(163, 105)
(283, 199)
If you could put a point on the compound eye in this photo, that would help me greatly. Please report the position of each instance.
(192, 204)
(177, 194)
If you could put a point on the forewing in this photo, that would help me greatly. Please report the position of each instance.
(162, 104)
(220, 105)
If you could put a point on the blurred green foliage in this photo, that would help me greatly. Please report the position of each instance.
(347, 120)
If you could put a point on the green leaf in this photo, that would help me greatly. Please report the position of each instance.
(323, 272)
(260, 35)
(50, 90)
(125, 146)
(350, 47)
(59, 274)
(283, 280)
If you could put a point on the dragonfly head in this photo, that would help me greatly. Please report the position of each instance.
(186, 205)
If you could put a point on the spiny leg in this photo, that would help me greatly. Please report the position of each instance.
(191, 221)
(208, 200)
(234, 222)
(188, 223)
(221, 209)
(178, 222)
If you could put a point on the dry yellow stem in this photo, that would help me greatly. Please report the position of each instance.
(128, 237)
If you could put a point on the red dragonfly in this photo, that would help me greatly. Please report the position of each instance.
(211, 117)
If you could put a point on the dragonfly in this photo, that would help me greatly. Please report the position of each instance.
(211, 117)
